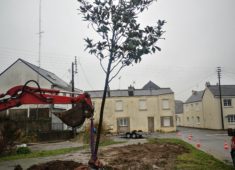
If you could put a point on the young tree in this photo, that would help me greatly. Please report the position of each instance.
(123, 41)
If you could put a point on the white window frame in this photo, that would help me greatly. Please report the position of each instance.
(165, 104)
(197, 106)
(123, 122)
(227, 102)
(198, 119)
(178, 119)
(142, 104)
(231, 118)
(186, 107)
(119, 106)
(167, 121)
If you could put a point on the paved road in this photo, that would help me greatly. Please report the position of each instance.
(211, 141)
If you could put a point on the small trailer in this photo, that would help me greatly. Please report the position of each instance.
(133, 134)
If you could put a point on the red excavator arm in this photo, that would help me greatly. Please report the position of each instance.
(20, 95)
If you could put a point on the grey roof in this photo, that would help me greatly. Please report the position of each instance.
(226, 90)
(150, 86)
(137, 92)
(179, 107)
(195, 97)
(51, 77)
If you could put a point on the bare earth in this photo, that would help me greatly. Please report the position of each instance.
(131, 157)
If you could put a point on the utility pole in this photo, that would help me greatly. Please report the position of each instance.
(74, 71)
(220, 97)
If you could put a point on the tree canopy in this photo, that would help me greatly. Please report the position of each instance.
(122, 39)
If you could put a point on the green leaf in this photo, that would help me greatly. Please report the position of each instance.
(159, 49)
(153, 49)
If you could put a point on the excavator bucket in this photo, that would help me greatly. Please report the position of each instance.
(76, 116)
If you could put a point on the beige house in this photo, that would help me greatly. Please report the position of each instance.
(203, 109)
(18, 74)
(148, 109)
(212, 109)
(193, 110)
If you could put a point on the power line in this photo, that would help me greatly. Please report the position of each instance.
(229, 72)
(31, 52)
(185, 90)
(88, 82)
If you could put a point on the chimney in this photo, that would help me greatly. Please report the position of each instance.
(208, 84)
(131, 90)
(194, 92)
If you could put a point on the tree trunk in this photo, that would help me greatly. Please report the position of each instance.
(102, 107)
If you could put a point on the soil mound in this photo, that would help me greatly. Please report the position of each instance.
(148, 156)
(59, 165)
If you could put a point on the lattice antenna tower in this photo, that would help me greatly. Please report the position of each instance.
(39, 37)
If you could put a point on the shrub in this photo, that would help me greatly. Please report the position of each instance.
(85, 135)
(23, 150)
(9, 133)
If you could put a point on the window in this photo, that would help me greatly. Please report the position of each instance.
(187, 119)
(123, 121)
(231, 118)
(167, 121)
(165, 104)
(186, 107)
(142, 104)
(198, 120)
(227, 102)
(119, 106)
(178, 120)
(197, 107)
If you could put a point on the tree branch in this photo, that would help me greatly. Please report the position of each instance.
(102, 66)
(120, 60)
(117, 72)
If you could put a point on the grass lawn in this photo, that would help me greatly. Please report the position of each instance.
(195, 159)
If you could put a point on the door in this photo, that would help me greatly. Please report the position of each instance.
(151, 124)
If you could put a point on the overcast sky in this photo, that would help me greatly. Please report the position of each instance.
(200, 36)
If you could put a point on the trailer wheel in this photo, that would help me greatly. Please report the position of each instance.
(128, 135)
(134, 135)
